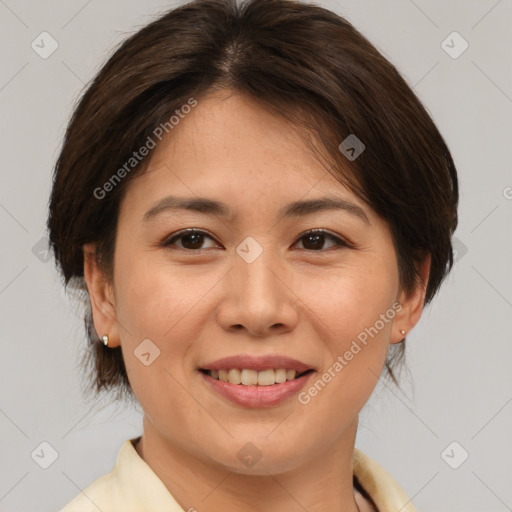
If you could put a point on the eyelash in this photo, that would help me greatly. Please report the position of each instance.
(341, 243)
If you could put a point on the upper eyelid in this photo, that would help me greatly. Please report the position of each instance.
(340, 240)
(185, 231)
(322, 231)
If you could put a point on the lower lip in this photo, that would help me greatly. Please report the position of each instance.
(257, 396)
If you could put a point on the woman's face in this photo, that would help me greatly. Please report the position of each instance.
(253, 283)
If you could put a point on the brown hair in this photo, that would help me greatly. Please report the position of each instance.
(299, 61)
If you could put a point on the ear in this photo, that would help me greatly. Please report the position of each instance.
(412, 305)
(102, 297)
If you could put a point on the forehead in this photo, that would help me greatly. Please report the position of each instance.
(235, 131)
(229, 144)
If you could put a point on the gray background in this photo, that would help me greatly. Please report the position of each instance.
(459, 354)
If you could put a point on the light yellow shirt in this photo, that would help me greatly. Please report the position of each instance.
(132, 486)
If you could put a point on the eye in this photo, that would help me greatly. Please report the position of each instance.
(314, 240)
(191, 239)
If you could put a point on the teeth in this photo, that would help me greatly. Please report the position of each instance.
(235, 376)
(252, 377)
(280, 375)
(249, 377)
(266, 378)
(290, 374)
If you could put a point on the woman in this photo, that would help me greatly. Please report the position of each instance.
(258, 207)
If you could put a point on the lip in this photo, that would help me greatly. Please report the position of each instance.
(257, 396)
(258, 363)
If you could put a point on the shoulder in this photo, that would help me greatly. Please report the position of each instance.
(131, 487)
(98, 495)
(105, 492)
(383, 489)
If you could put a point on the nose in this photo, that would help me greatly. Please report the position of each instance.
(257, 297)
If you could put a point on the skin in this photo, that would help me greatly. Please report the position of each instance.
(295, 299)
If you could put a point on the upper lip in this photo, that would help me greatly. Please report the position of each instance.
(258, 363)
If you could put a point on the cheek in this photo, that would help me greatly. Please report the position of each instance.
(153, 297)
(357, 314)
(165, 304)
(355, 297)
(154, 304)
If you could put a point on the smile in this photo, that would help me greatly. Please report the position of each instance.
(248, 377)
(250, 393)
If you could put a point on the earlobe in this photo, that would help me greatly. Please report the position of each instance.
(101, 296)
(412, 305)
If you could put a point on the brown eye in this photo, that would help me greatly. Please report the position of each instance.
(314, 240)
(191, 239)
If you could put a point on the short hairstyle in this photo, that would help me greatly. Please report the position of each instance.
(297, 60)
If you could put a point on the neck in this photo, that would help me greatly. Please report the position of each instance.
(322, 483)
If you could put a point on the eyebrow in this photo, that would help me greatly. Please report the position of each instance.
(294, 209)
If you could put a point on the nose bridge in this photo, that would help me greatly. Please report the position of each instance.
(256, 296)
(256, 267)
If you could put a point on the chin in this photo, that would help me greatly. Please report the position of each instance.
(257, 458)
(265, 467)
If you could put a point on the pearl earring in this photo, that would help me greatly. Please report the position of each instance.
(402, 332)
(105, 339)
